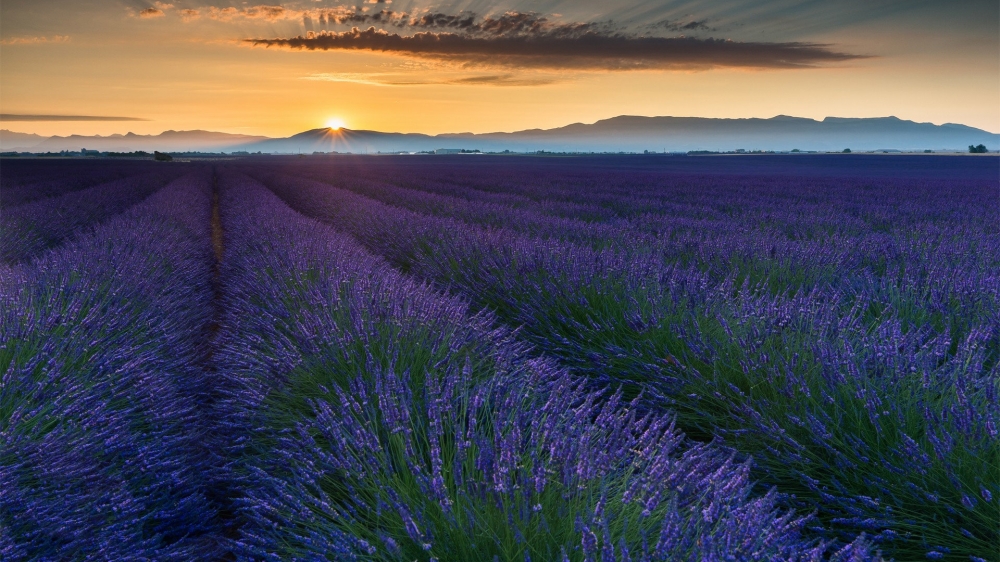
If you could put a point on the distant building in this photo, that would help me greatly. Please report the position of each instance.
(448, 151)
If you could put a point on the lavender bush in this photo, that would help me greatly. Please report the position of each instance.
(379, 421)
(485, 358)
(100, 430)
(841, 329)
(26, 180)
(27, 230)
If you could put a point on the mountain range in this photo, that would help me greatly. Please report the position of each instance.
(167, 141)
(623, 133)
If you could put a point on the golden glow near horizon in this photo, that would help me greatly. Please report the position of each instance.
(186, 67)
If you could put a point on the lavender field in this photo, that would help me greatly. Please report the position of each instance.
(501, 358)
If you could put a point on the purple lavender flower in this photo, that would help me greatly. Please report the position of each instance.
(367, 454)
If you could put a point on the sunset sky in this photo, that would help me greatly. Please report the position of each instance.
(419, 66)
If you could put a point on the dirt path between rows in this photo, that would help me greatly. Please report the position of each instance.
(222, 491)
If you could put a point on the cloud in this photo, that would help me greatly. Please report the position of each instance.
(390, 79)
(468, 22)
(157, 10)
(371, 79)
(23, 117)
(535, 43)
(34, 40)
(223, 14)
(511, 22)
(259, 12)
(270, 13)
(505, 80)
(505, 24)
(189, 14)
(681, 26)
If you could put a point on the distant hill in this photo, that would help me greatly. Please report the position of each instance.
(11, 140)
(347, 140)
(777, 133)
(623, 133)
(167, 141)
(636, 134)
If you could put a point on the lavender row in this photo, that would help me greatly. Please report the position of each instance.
(874, 405)
(926, 240)
(101, 438)
(605, 180)
(528, 220)
(30, 229)
(378, 420)
(631, 187)
(462, 200)
(26, 180)
(937, 266)
(824, 232)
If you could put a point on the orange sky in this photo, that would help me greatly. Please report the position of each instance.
(101, 58)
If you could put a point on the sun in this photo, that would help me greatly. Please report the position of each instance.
(335, 123)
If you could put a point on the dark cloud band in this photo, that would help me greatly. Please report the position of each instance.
(22, 117)
(583, 49)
